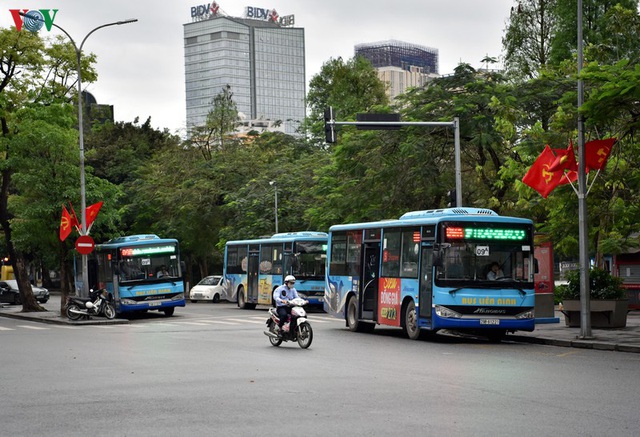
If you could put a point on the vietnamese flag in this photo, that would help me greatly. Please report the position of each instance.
(92, 212)
(539, 177)
(66, 224)
(596, 153)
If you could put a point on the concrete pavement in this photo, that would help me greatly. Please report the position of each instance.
(625, 339)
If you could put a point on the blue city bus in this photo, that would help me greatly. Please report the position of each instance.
(130, 268)
(254, 268)
(428, 271)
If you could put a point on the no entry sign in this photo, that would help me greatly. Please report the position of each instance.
(85, 244)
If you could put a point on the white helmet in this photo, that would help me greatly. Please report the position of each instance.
(289, 278)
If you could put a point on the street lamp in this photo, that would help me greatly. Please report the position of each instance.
(275, 186)
(83, 197)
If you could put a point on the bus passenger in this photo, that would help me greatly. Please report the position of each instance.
(495, 272)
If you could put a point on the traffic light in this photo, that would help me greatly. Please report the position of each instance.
(451, 194)
(329, 127)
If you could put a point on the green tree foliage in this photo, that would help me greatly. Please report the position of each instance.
(351, 87)
(527, 38)
(596, 26)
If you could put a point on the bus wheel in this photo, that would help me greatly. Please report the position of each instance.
(411, 322)
(353, 323)
(242, 302)
(352, 315)
(169, 311)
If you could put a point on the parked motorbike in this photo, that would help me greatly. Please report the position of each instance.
(296, 328)
(99, 303)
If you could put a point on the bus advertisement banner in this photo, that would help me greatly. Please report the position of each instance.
(389, 298)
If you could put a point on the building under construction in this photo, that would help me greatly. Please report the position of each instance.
(400, 54)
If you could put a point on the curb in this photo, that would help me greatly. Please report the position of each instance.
(579, 344)
(59, 320)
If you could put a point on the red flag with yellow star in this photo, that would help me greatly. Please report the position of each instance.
(92, 213)
(540, 178)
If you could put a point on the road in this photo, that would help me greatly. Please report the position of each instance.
(209, 370)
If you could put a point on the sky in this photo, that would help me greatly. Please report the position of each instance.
(141, 65)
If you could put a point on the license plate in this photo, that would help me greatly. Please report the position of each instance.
(489, 321)
(154, 304)
(197, 295)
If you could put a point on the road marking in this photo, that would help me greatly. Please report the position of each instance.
(247, 321)
(194, 323)
(222, 322)
(32, 327)
(6, 329)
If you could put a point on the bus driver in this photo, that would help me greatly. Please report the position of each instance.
(495, 272)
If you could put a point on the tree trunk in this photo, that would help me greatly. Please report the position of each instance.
(29, 302)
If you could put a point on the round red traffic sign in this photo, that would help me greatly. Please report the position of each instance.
(85, 244)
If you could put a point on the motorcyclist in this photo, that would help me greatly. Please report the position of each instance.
(281, 296)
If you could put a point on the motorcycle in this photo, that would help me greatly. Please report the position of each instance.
(296, 328)
(98, 303)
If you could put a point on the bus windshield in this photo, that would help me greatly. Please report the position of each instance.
(148, 264)
(468, 261)
(310, 259)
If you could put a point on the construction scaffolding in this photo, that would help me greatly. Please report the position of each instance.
(399, 54)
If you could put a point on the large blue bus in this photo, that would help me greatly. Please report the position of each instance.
(429, 270)
(254, 268)
(131, 269)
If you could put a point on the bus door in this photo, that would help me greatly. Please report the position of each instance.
(426, 281)
(253, 270)
(369, 280)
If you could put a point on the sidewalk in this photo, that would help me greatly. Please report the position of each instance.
(52, 315)
(556, 334)
(625, 339)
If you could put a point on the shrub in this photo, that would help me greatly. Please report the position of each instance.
(601, 284)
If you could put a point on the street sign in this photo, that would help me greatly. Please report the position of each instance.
(85, 244)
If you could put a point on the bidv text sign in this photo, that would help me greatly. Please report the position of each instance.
(33, 19)
(268, 15)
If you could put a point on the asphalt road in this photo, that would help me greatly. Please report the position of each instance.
(209, 370)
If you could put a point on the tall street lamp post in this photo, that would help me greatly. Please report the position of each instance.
(83, 198)
(585, 293)
(275, 186)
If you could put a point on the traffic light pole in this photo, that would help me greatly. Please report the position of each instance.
(330, 124)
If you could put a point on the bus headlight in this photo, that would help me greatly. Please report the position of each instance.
(447, 313)
(530, 314)
(128, 302)
(178, 296)
(302, 295)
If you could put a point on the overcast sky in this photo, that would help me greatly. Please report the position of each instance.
(141, 65)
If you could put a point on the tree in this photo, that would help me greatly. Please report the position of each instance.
(32, 75)
(527, 38)
(595, 14)
(350, 87)
(222, 119)
(21, 63)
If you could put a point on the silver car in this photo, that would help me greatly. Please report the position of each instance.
(9, 292)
